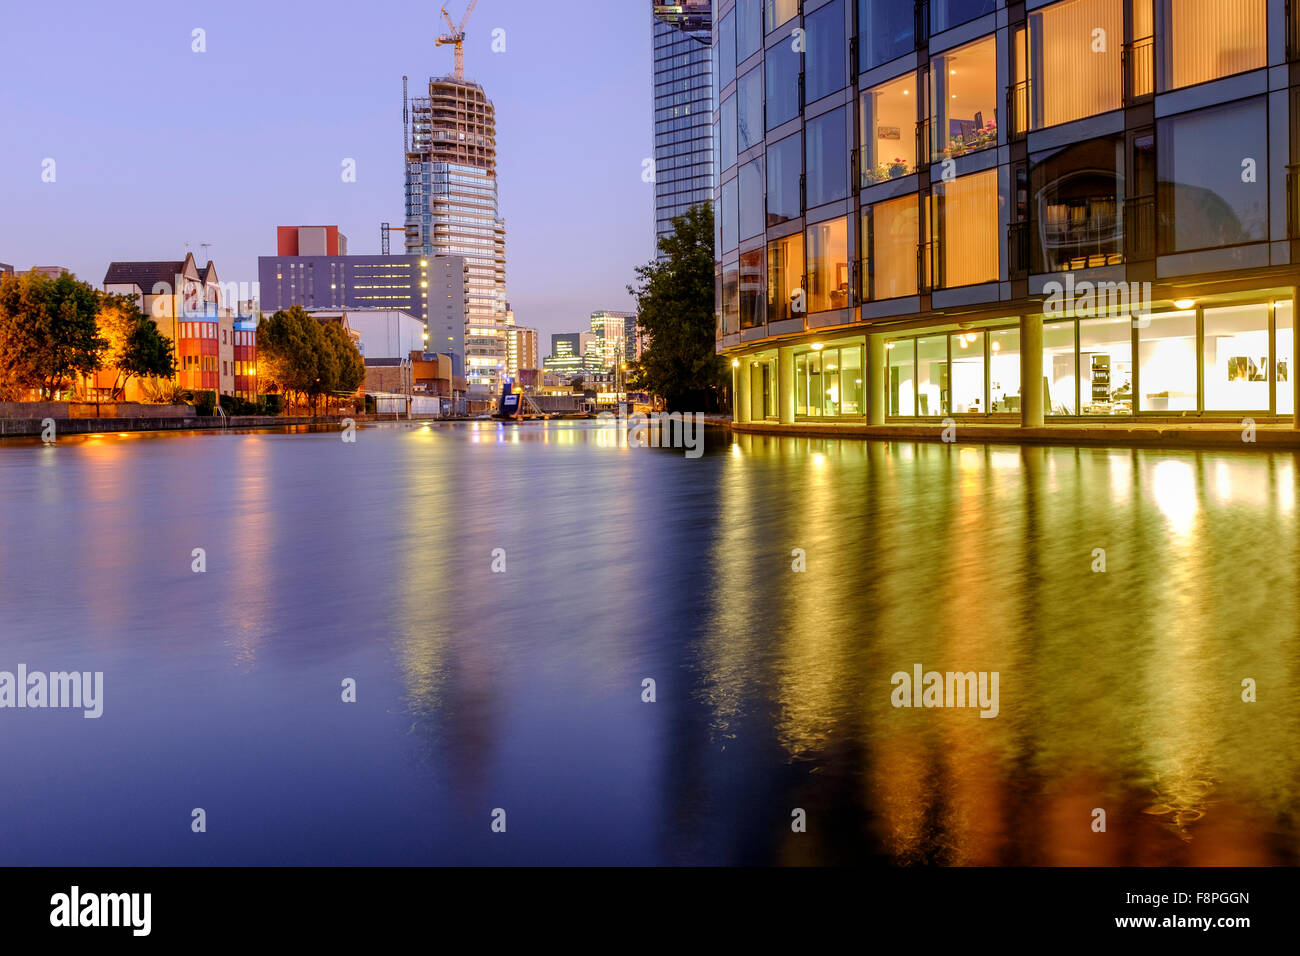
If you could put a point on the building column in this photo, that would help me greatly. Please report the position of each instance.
(1031, 371)
(785, 383)
(740, 378)
(877, 373)
(1295, 354)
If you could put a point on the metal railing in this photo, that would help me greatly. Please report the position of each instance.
(1139, 228)
(1292, 198)
(924, 270)
(1018, 249)
(923, 157)
(1138, 64)
(1017, 111)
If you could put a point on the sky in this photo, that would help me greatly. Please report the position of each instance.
(156, 145)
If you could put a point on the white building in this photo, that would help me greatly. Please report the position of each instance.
(385, 333)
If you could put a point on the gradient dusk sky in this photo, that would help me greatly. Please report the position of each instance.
(156, 146)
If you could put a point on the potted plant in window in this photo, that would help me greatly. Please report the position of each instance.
(898, 167)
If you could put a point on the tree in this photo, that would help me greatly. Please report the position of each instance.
(674, 297)
(305, 359)
(284, 352)
(134, 346)
(351, 367)
(48, 333)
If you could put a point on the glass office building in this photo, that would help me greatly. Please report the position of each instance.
(451, 210)
(1048, 211)
(683, 109)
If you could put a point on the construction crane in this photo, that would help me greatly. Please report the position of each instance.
(384, 230)
(456, 38)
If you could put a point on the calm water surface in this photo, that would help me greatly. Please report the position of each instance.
(1118, 690)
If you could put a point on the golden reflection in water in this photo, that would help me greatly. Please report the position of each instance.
(251, 534)
(811, 683)
(727, 661)
(1120, 689)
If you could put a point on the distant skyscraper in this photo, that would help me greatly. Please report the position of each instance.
(451, 209)
(523, 350)
(683, 109)
(610, 331)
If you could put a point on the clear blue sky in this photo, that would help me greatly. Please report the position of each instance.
(156, 146)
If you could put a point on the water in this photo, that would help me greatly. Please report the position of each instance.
(522, 690)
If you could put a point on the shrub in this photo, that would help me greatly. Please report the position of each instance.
(205, 401)
(272, 404)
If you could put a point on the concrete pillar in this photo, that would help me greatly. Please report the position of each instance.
(740, 376)
(877, 375)
(1031, 371)
(785, 383)
(1295, 355)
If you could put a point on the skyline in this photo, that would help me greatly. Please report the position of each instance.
(101, 205)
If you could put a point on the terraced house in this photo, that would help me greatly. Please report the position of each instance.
(1037, 212)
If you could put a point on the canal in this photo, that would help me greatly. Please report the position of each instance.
(771, 589)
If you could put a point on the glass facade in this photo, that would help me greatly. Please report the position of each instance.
(890, 233)
(782, 65)
(1076, 197)
(785, 295)
(939, 172)
(1210, 189)
(887, 124)
(683, 113)
(825, 58)
(1202, 40)
(784, 173)
(964, 99)
(828, 266)
(751, 199)
(827, 160)
(1073, 64)
(753, 291)
(829, 382)
(749, 109)
(966, 217)
(886, 31)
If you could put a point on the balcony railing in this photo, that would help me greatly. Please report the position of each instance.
(924, 277)
(1292, 199)
(1292, 40)
(1140, 228)
(1139, 70)
(1017, 110)
(923, 144)
(1018, 249)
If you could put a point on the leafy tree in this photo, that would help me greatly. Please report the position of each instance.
(674, 297)
(304, 359)
(351, 366)
(289, 344)
(134, 346)
(48, 333)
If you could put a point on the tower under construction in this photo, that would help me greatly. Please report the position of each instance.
(451, 208)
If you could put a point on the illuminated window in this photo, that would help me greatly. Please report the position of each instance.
(967, 223)
(1203, 40)
(888, 124)
(1074, 61)
(964, 99)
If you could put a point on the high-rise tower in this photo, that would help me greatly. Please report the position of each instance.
(451, 209)
(683, 108)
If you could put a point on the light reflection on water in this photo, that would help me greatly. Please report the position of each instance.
(1118, 690)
